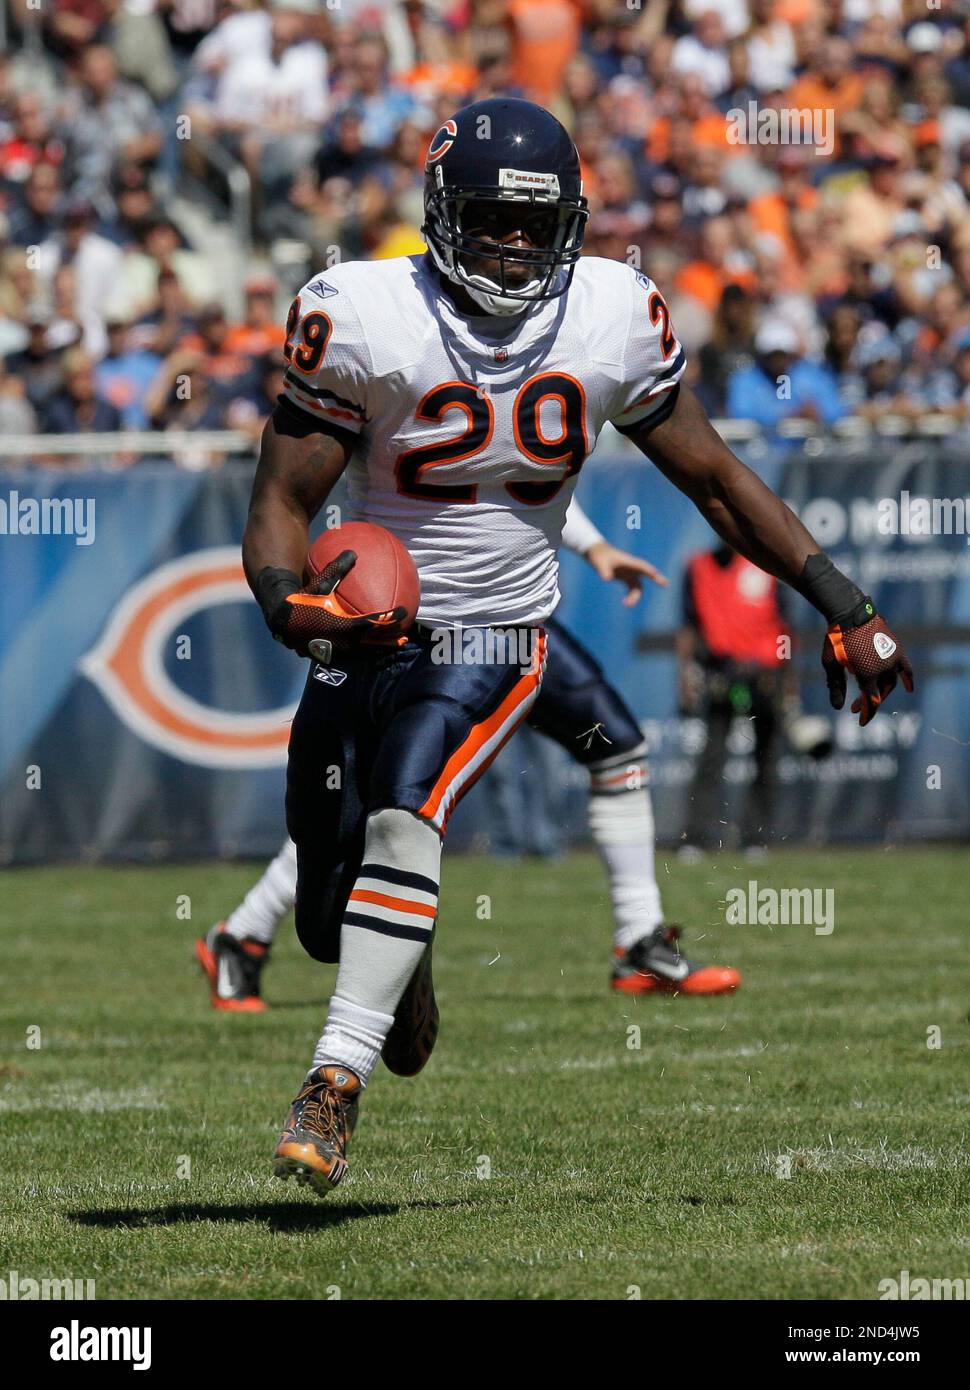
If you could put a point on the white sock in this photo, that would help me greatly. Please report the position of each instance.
(621, 821)
(389, 918)
(353, 1037)
(268, 901)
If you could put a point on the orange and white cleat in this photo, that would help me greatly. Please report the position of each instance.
(313, 1146)
(654, 965)
(233, 968)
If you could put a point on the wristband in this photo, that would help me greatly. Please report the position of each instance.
(271, 589)
(836, 597)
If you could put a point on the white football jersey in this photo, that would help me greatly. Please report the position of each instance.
(473, 429)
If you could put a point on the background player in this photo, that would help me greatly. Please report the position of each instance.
(574, 700)
(470, 420)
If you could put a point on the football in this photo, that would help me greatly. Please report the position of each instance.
(384, 576)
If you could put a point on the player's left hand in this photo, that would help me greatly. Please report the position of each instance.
(611, 563)
(874, 656)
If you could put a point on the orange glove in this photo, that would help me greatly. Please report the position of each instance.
(874, 656)
(312, 620)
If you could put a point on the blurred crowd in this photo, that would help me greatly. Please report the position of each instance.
(817, 280)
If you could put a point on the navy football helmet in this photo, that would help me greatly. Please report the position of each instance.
(503, 170)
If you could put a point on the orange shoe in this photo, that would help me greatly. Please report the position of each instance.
(654, 965)
(233, 969)
(313, 1145)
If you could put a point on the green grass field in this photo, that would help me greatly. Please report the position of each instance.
(135, 1139)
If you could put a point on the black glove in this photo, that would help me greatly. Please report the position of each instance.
(874, 656)
(311, 619)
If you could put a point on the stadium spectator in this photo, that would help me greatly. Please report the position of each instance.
(96, 262)
(545, 36)
(382, 102)
(829, 85)
(18, 287)
(17, 415)
(871, 209)
(33, 216)
(781, 384)
(126, 372)
(250, 411)
(271, 93)
(843, 334)
(770, 49)
(37, 364)
(261, 331)
(704, 53)
(729, 349)
(161, 248)
(78, 407)
(134, 206)
(344, 155)
(29, 140)
(216, 347)
(169, 321)
(182, 396)
(950, 388)
(876, 388)
(106, 120)
(65, 328)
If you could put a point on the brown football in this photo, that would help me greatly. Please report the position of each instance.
(384, 576)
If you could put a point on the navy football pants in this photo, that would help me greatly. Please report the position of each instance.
(396, 729)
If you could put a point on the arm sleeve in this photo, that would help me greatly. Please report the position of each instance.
(578, 532)
(653, 360)
(328, 365)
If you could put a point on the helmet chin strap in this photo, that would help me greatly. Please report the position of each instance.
(492, 300)
(484, 292)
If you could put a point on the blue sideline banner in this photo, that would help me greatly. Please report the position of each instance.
(145, 708)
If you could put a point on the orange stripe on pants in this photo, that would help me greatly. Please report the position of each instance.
(522, 694)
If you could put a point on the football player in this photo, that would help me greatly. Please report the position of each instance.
(578, 708)
(460, 391)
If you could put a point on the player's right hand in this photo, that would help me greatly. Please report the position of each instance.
(874, 656)
(311, 619)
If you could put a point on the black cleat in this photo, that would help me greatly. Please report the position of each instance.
(233, 968)
(655, 965)
(414, 1032)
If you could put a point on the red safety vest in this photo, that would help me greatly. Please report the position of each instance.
(737, 609)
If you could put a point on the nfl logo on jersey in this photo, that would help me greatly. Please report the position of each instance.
(500, 354)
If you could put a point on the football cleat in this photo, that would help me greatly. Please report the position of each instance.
(313, 1145)
(414, 1032)
(233, 968)
(655, 964)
